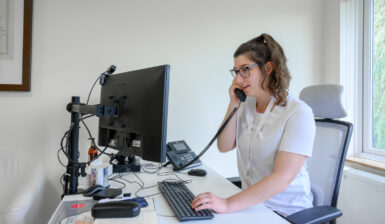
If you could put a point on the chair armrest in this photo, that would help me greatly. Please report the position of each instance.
(236, 181)
(315, 215)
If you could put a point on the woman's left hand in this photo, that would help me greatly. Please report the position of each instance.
(209, 200)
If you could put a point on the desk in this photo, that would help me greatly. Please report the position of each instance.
(213, 182)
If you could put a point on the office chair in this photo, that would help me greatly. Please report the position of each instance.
(326, 165)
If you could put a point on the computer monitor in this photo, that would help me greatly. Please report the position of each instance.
(141, 98)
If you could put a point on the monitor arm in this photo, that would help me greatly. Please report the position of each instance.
(98, 110)
(76, 109)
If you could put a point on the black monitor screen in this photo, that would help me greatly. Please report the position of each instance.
(140, 127)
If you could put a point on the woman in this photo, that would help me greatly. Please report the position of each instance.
(273, 134)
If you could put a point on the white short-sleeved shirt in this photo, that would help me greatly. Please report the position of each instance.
(289, 128)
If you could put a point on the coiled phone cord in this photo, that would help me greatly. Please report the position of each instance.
(212, 140)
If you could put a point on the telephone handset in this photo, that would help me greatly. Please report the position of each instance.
(240, 94)
(179, 154)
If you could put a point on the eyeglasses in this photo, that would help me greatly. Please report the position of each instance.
(244, 72)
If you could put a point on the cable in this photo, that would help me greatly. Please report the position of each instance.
(67, 133)
(58, 157)
(173, 173)
(144, 188)
(88, 130)
(138, 179)
(109, 71)
(61, 180)
(151, 166)
(166, 164)
(124, 185)
(103, 151)
(212, 140)
(135, 182)
(89, 94)
(67, 139)
(141, 183)
(93, 139)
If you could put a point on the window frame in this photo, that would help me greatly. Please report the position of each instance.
(352, 75)
(367, 74)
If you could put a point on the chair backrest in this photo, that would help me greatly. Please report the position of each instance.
(331, 142)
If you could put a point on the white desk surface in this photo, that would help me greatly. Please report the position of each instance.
(212, 182)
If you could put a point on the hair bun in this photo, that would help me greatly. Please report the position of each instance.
(261, 39)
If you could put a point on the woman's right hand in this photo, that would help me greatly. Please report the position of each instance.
(234, 100)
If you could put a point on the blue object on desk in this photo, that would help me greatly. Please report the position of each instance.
(141, 201)
(92, 190)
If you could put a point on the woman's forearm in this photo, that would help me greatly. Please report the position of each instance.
(286, 167)
(258, 193)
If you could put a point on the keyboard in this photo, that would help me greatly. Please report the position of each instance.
(179, 198)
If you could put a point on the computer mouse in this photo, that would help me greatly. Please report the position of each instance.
(140, 200)
(197, 172)
(92, 190)
(115, 209)
(107, 193)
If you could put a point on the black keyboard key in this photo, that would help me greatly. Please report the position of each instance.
(179, 198)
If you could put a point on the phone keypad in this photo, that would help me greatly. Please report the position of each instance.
(187, 158)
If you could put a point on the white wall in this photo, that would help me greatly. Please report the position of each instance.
(330, 43)
(362, 197)
(74, 41)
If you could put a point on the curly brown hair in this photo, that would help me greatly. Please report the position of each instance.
(261, 50)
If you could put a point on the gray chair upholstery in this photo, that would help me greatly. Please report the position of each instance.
(329, 152)
(325, 100)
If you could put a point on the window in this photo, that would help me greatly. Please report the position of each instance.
(373, 77)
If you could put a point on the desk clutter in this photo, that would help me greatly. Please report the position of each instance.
(176, 193)
(82, 211)
(178, 196)
(110, 201)
(144, 184)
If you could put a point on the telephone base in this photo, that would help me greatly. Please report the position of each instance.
(133, 166)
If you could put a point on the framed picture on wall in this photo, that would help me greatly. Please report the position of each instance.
(15, 44)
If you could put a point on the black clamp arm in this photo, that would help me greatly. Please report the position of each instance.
(98, 109)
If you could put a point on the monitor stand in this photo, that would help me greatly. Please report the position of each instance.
(123, 165)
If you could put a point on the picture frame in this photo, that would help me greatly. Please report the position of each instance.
(25, 60)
